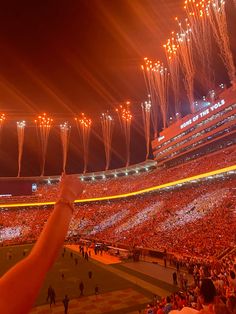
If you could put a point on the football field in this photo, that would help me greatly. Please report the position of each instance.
(70, 269)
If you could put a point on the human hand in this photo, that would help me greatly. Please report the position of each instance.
(70, 187)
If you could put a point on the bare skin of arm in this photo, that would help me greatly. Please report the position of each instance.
(19, 287)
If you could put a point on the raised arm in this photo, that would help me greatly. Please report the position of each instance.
(19, 287)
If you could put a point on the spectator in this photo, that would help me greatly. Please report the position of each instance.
(207, 296)
(168, 306)
(23, 281)
(65, 302)
(231, 304)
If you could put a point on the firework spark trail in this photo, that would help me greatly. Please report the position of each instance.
(197, 14)
(171, 50)
(217, 18)
(146, 111)
(65, 129)
(107, 130)
(2, 119)
(149, 85)
(43, 124)
(21, 135)
(125, 118)
(184, 39)
(84, 127)
(161, 86)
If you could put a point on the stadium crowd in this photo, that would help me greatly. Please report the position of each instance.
(145, 180)
(193, 225)
(108, 187)
(188, 221)
(218, 294)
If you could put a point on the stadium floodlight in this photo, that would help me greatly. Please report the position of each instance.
(82, 178)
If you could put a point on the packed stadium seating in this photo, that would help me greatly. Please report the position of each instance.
(135, 182)
(187, 221)
(194, 224)
(159, 176)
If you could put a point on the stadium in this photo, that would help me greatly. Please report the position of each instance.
(144, 237)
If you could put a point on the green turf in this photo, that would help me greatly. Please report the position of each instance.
(107, 281)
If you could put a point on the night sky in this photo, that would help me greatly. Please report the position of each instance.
(65, 57)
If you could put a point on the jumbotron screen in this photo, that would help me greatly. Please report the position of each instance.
(11, 187)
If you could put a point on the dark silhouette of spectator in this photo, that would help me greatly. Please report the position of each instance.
(177, 266)
(96, 290)
(86, 256)
(174, 275)
(165, 261)
(90, 274)
(81, 288)
(51, 296)
(65, 302)
(207, 293)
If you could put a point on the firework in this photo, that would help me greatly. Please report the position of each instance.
(65, 134)
(172, 57)
(184, 39)
(161, 85)
(201, 35)
(148, 78)
(107, 129)
(217, 18)
(43, 124)
(20, 134)
(125, 118)
(158, 82)
(146, 111)
(84, 127)
(2, 119)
